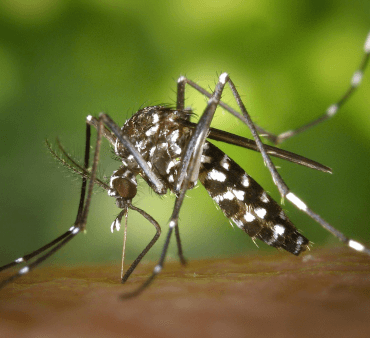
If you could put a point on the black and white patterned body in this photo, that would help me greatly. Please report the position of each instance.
(160, 137)
(245, 202)
(171, 153)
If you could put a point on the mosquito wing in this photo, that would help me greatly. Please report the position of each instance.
(224, 136)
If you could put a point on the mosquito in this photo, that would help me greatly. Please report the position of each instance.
(161, 145)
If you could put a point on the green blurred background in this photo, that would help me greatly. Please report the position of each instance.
(61, 60)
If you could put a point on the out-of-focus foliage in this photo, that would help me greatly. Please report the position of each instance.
(61, 60)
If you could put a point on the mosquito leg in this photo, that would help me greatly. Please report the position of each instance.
(194, 147)
(84, 179)
(147, 248)
(107, 134)
(179, 246)
(158, 268)
(181, 96)
(196, 141)
(67, 233)
(157, 184)
(27, 257)
(277, 139)
(59, 242)
(180, 102)
(279, 182)
(333, 109)
(283, 188)
(186, 175)
(180, 105)
(29, 267)
(346, 240)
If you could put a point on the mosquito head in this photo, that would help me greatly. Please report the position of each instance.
(125, 188)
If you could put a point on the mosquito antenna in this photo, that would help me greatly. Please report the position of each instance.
(80, 170)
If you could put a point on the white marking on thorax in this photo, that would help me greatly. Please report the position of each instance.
(151, 131)
(174, 136)
(141, 144)
(170, 165)
(205, 159)
(175, 148)
(155, 118)
(163, 145)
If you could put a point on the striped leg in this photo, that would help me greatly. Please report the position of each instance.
(190, 164)
(277, 139)
(79, 224)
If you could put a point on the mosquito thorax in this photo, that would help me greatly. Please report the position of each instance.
(160, 137)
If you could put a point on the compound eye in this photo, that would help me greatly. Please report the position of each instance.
(125, 188)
